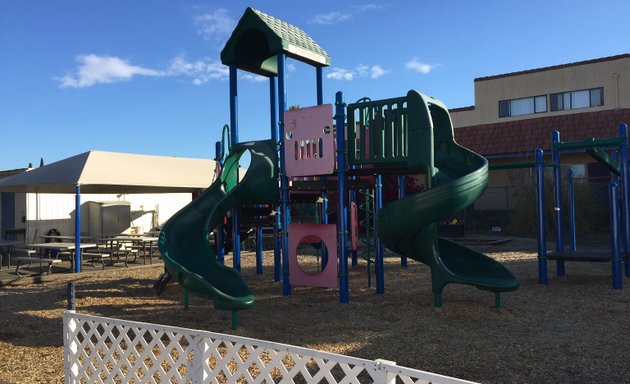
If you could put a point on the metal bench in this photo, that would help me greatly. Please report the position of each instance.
(97, 257)
(25, 256)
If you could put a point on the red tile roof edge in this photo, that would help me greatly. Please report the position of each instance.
(513, 138)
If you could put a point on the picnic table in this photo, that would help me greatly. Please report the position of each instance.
(67, 248)
(5, 245)
(141, 242)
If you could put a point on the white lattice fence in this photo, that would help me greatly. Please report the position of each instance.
(106, 350)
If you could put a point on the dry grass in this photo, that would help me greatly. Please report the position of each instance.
(573, 330)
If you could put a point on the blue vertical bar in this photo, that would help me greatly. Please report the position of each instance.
(401, 194)
(259, 248)
(615, 241)
(324, 194)
(378, 245)
(340, 117)
(77, 228)
(324, 220)
(557, 199)
(320, 86)
(541, 225)
(353, 199)
(218, 235)
(571, 202)
(273, 113)
(625, 193)
(284, 181)
(236, 235)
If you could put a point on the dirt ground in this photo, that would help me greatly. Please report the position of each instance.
(574, 330)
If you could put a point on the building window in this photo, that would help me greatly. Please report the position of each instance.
(525, 106)
(584, 98)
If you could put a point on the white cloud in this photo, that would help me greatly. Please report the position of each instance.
(377, 71)
(370, 7)
(200, 71)
(216, 25)
(418, 66)
(336, 17)
(254, 78)
(361, 70)
(95, 69)
(331, 18)
(340, 74)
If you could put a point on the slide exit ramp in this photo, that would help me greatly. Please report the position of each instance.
(414, 134)
(188, 255)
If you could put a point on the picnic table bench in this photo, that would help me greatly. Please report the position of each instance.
(26, 256)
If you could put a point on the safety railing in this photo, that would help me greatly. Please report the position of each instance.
(105, 350)
(378, 132)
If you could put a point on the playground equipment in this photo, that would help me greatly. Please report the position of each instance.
(619, 203)
(183, 242)
(406, 135)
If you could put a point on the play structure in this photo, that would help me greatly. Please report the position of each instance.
(322, 152)
(613, 154)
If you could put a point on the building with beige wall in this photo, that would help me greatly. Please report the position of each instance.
(515, 113)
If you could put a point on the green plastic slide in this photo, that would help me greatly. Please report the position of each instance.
(456, 178)
(188, 255)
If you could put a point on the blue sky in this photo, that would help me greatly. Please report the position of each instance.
(145, 76)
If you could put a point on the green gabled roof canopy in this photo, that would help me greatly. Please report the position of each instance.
(258, 38)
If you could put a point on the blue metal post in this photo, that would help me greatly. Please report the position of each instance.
(615, 240)
(259, 248)
(273, 113)
(625, 193)
(571, 202)
(379, 269)
(541, 225)
(77, 229)
(236, 235)
(284, 181)
(324, 220)
(401, 194)
(340, 117)
(557, 200)
(320, 86)
(72, 298)
(353, 199)
(218, 236)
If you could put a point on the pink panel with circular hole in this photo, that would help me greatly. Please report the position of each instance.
(300, 233)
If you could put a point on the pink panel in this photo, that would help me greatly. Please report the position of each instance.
(309, 148)
(354, 226)
(300, 233)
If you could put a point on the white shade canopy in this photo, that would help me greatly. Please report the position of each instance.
(111, 172)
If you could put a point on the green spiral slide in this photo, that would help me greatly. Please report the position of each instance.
(456, 177)
(188, 255)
